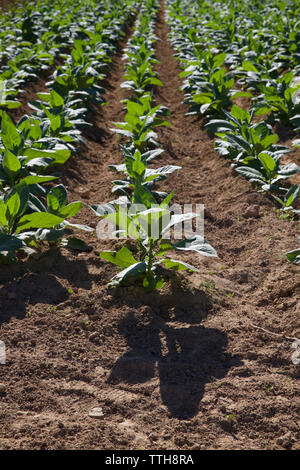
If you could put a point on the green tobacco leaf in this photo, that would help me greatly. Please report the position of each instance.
(267, 162)
(161, 172)
(3, 219)
(269, 140)
(138, 167)
(55, 122)
(289, 169)
(60, 156)
(152, 284)
(240, 94)
(164, 247)
(143, 196)
(202, 99)
(198, 244)
(86, 228)
(177, 265)
(10, 104)
(9, 243)
(122, 258)
(294, 256)
(57, 197)
(9, 134)
(38, 220)
(134, 271)
(32, 153)
(263, 109)
(49, 235)
(44, 96)
(56, 100)
(248, 66)
(240, 114)
(249, 172)
(75, 243)
(33, 179)
(178, 219)
(240, 143)
(292, 195)
(218, 125)
(70, 210)
(11, 163)
(13, 205)
(23, 192)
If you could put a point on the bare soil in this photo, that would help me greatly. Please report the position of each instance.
(182, 368)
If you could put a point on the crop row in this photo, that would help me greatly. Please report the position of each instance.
(142, 213)
(217, 51)
(30, 150)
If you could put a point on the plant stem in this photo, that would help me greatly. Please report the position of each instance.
(151, 258)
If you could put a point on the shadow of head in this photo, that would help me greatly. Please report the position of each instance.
(177, 302)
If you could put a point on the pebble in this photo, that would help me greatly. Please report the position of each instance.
(285, 441)
(196, 447)
(94, 337)
(2, 388)
(84, 192)
(252, 211)
(96, 413)
(100, 372)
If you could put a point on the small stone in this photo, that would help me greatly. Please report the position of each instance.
(196, 447)
(84, 192)
(2, 388)
(94, 337)
(285, 441)
(100, 372)
(242, 277)
(252, 212)
(96, 413)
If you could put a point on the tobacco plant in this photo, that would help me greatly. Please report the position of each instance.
(149, 228)
(213, 96)
(140, 120)
(23, 226)
(280, 98)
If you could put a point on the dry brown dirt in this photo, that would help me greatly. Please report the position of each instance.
(183, 368)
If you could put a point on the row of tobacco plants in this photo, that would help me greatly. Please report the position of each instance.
(32, 211)
(141, 212)
(250, 51)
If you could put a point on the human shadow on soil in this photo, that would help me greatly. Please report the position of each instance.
(184, 356)
(39, 281)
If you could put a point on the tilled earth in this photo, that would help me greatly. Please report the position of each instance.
(205, 363)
